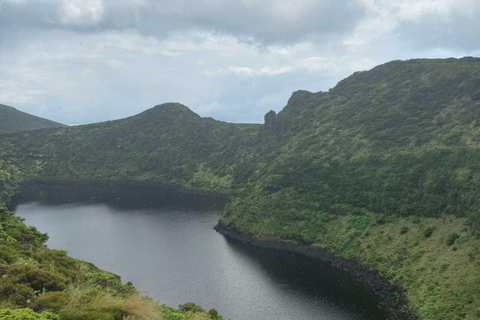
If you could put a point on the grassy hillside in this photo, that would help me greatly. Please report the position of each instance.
(383, 168)
(168, 143)
(361, 169)
(13, 120)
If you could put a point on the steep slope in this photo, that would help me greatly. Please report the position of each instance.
(360, 170)
(402, 139)
(383, 168)
(12, 119)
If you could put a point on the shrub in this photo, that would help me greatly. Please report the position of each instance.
(52, 301)
(213, 313)
(452, 237)
(85, 315)
(108, 280)
(26, 314)
(404, 230)
(428, 232)
(38, 279)
(174, 316)
(190, 307)
(7, 254)
(359, 222)
(415, 219)
(380, 219)
(17, 294)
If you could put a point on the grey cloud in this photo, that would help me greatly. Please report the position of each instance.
(459, 32)
(270, 21)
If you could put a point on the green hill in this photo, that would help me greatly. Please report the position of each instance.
(12, 119)
(383, 168)
(167, 143)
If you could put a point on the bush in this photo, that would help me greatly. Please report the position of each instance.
(428, 232)
(7, 254)
(380, 219)
(85, 315)
(452, 237)
(38, 279)
(52, 301)
(26, 314)
(359, 222)
(404, 230)
(190, 307)
(17, 294)
(108, 280)
(213, 313)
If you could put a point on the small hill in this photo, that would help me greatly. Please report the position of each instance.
(167, 143)
(12, 119)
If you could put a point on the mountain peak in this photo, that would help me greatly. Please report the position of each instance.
(171, 108)
(166, 113)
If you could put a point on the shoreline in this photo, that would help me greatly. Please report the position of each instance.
(394, 301)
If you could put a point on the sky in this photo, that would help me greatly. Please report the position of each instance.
(84, 61)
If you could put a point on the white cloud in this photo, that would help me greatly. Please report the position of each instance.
(384, 17)
(81, 12)
(13, 92)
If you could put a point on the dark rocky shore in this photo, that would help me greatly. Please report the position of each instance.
(394, 301)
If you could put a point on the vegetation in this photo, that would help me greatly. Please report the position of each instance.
(8, 179)
(167, 143)
(41, 284)
(383, 168)
(13, 120)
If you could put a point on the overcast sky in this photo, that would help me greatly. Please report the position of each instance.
(83, 61)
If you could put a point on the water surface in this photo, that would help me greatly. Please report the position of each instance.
(164, 243)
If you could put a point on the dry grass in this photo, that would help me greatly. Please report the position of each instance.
(134, 305)
(142, 308)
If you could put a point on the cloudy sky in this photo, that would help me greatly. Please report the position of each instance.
(83, 61)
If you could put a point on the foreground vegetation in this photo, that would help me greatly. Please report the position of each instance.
(384, 168)
(39, 283)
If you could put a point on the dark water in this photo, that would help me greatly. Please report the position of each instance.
(164, 243)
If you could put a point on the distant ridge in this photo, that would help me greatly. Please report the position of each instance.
(12, 120)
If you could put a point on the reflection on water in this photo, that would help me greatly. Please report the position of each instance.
(163, 241)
